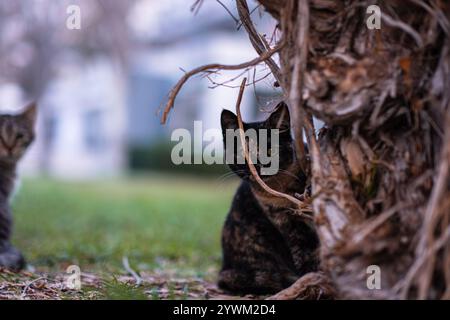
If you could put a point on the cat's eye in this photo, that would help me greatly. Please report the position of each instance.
(20, 136)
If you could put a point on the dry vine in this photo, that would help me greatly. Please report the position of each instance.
(208, 68)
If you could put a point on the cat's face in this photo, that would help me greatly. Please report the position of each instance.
(284, 152)
(16, 134)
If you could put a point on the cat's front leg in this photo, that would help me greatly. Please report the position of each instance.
(10, 257)
(303, 243)
(300, 237)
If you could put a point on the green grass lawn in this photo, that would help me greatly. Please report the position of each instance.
(158, 222)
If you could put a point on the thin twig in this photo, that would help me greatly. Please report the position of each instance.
(251, 12)
(227, 85)
(195, 8)
(296, 88)
(214, 66)
(24, 291)
(256, 40)
(236, 20)
(432, 215)
(405, 284)
(126, 265)
(372, 225)
(405, 27)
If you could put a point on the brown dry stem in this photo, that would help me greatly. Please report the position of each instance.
(211, 67)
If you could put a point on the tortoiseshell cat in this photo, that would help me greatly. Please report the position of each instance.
(16, 134)
(266, 247)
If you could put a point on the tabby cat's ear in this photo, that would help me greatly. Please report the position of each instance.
(280, 118)
(30, 113)
(228, 120)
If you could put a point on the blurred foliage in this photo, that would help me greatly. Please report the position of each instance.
(157, 158)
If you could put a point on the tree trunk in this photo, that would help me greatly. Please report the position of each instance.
(380, 166)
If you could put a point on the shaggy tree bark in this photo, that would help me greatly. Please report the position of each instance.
(380, 167)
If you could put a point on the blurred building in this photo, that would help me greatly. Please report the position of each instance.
(101, 102)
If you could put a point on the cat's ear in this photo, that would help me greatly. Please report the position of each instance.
(228, 120)
(29, 114)
(280, 119)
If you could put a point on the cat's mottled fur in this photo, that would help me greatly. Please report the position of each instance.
(16, 134)
(266, 246)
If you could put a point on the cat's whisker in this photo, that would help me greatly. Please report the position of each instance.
(223, 178)
(282, 171)
(229, 174)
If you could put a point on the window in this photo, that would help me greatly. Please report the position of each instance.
(93, 131)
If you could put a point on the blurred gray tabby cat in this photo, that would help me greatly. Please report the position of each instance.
(16, 135)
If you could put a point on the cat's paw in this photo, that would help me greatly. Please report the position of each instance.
(250, 281)
(12, 259)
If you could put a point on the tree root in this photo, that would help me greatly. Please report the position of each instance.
(312, 286)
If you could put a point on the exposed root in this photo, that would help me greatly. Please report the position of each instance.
(312, 286)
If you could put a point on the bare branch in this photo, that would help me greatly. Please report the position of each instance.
(255, 39)
(295, 94)
(405, 27)
(127, 267)
(209, 67)
(236, 20)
